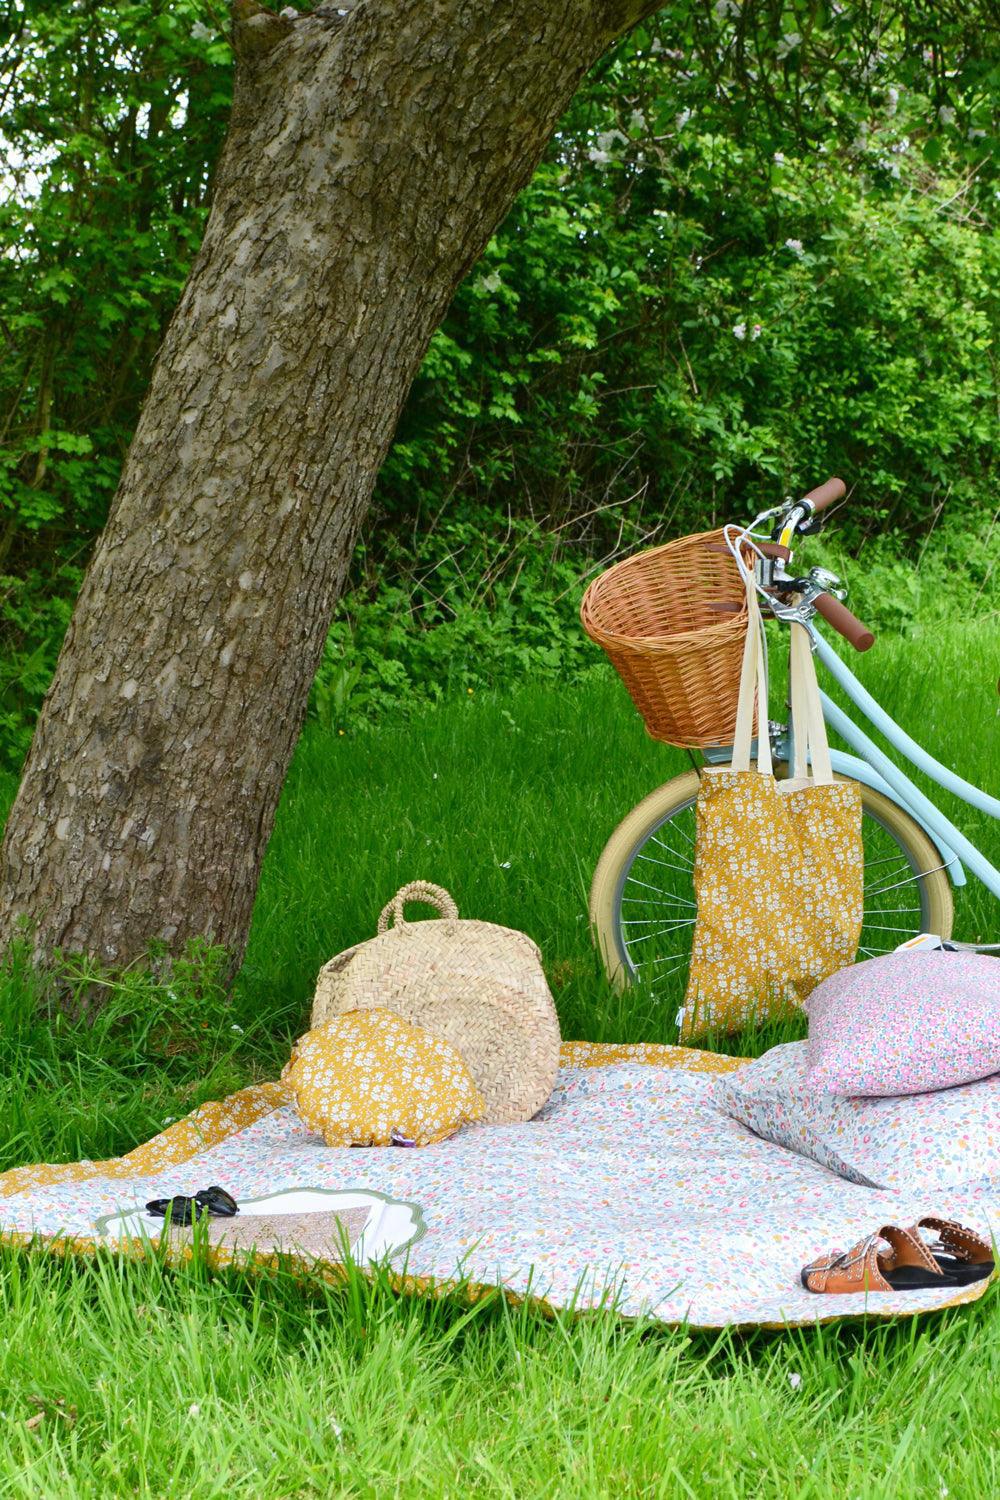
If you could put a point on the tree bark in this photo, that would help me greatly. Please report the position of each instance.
(372, 150)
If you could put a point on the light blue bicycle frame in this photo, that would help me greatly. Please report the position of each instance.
(876, 770)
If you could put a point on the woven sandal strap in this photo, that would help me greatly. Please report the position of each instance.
(417, 890)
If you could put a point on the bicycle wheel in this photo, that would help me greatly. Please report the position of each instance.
(642, 904)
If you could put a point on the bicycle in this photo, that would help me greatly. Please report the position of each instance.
(642, 904)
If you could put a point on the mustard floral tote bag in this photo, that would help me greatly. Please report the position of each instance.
(778, 868)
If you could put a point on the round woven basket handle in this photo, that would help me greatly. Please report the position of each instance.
(417, 890)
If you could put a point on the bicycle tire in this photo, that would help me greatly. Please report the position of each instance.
(675, 798)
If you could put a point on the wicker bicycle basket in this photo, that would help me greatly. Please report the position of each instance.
(658, 617)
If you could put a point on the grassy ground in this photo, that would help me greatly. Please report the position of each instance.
(177, 1384)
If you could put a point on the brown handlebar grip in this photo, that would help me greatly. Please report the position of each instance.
(825, 494)
(849, 626)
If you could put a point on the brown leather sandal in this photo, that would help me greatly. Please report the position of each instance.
(890, 1260)
(962, 1254)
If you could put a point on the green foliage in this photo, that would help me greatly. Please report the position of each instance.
(706, 318)
(477, 601)
(759, 251)
(35, 609)
(483, 600)
(953, 575)
(110, 118)
(704, 299)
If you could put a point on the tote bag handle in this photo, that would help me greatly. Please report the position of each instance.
(753, 691)
(811, 743)
(809, 726)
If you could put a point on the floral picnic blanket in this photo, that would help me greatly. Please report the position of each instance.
(632, 1189)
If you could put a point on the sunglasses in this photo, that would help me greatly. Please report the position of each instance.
(211, 1200)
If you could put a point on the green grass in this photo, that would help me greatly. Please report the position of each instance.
(508, 802)
(177, 1383)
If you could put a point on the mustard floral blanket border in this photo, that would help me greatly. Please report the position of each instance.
(211, 1123)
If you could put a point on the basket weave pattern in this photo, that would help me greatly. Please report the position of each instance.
(657, 616)
(478, 986)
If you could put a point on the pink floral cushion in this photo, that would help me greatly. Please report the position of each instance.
(905, 1023)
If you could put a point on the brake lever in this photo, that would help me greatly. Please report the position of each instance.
(776, 582)
(813, 527)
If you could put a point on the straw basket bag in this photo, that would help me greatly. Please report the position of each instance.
(478, 986)
(673, 620)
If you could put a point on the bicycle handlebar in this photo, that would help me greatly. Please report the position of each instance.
(825, 494)
(779, 553)
(840, 617)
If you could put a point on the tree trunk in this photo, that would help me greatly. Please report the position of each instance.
(373, 148)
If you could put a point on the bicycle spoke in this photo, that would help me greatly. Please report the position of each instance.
(664, 864)
(666, 957)
(659, 978)
(884, 879)
(634, 880)
(910, 880)
(677, 853)
(896, 858)
(880, 927)
(657, 886)
(664, 906)
(644, 901)
(650, 921)
(633, 942)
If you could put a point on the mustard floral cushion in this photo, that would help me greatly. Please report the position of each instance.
(368, 1077)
